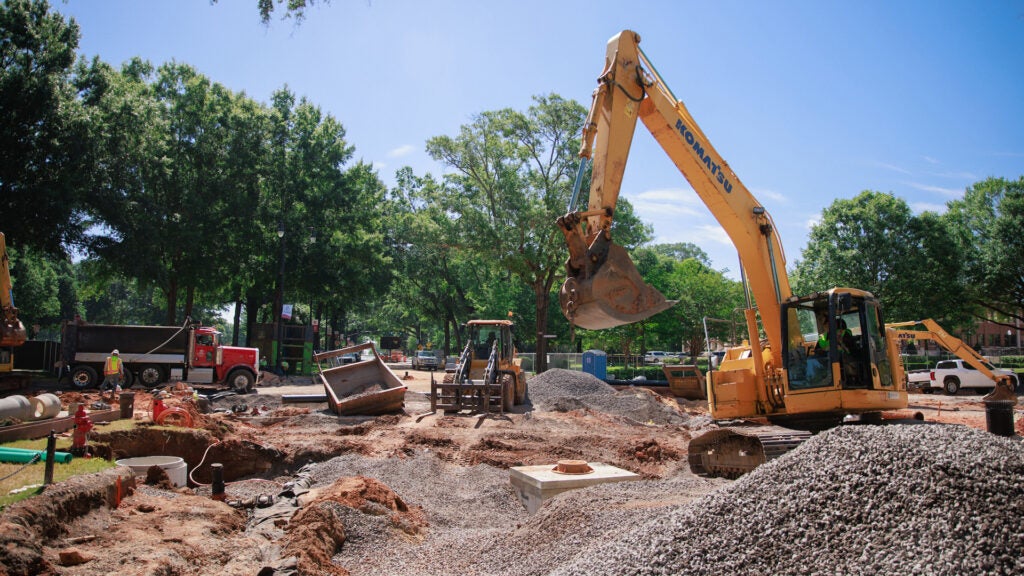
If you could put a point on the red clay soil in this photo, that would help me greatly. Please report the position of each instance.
(183, 531)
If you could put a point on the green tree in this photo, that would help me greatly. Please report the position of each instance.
(330, 218)
(702, 292)
(44, 131)
(988, 223)
(873, 242)
(433, 273)
(167, 195)
(513, 177)
(35, 279)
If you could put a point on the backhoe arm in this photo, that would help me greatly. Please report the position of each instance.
(1004, 388)
(12, 331)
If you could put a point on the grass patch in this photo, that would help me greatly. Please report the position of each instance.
(21, 475)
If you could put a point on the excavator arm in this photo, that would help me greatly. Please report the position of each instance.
(603, 288)
(12, 331)
(1004, 388)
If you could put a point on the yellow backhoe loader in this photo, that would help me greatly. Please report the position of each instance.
(784, 376)
(487, 377)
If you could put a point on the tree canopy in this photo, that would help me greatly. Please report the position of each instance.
(147, 192)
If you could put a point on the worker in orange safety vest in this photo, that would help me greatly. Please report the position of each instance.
(113, 372)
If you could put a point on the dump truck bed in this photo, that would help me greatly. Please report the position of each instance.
(367, 387)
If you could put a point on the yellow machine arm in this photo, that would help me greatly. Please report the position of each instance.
(12, 331)
(932, 331)
(630, 88)
(786, 381)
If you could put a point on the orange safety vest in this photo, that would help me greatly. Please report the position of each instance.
(112, 366)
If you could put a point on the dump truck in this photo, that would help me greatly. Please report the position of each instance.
(156, 354)
(487, 377)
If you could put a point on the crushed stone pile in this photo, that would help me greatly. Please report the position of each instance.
(913, 499)
(460, 505)
(560, 390)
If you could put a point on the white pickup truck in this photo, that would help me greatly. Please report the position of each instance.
(951, 376)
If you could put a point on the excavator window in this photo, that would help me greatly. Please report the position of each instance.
(875, 336)
(806, 360)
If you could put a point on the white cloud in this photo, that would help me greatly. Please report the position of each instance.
(401, 151)
(653, 205)
(930, 160)
(919, 207)
(893, 168)
(772, 195)
(952, 192)
(958, 175)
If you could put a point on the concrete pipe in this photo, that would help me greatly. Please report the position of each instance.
(15, 407)
(45, 406)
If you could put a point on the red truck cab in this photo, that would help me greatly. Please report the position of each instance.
(234, 365)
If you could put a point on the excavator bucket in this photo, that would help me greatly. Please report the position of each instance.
(12, 333)
(609, 293)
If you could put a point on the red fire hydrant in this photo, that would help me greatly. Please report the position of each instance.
(158, 407)
(80, 438)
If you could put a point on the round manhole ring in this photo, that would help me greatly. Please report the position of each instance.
(572, 467)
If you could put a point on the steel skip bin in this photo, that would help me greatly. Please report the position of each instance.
(365, 387)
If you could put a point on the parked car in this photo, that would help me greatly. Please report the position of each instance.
(659, 357)
(951, 376)
(425, 360)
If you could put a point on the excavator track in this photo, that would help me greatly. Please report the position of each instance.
(734, 451)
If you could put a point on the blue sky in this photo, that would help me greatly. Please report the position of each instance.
(809, 101)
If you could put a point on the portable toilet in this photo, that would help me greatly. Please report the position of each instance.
(595, 363)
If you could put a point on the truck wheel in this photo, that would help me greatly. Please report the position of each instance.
(83, 377)
(240, 381)
(151, 375)
(951, 385)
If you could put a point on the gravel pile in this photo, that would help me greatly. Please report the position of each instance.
(915, 499)
(855, 500)
(560, 390)
(462, 504)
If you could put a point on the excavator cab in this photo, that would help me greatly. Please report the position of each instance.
(835, 338)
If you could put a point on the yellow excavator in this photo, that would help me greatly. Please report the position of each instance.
(929, 329)
(12, 331)
(784, 377)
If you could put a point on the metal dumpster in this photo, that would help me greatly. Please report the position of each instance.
(365, 387)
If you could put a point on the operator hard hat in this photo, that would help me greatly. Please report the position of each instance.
(114, 353)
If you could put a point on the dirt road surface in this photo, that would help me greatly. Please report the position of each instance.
(309, 492)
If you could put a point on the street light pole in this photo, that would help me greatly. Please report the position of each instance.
(279, 306)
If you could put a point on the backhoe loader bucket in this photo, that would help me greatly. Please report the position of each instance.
(12, 333)
(610, 292)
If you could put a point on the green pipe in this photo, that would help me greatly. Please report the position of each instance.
(23, 455)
